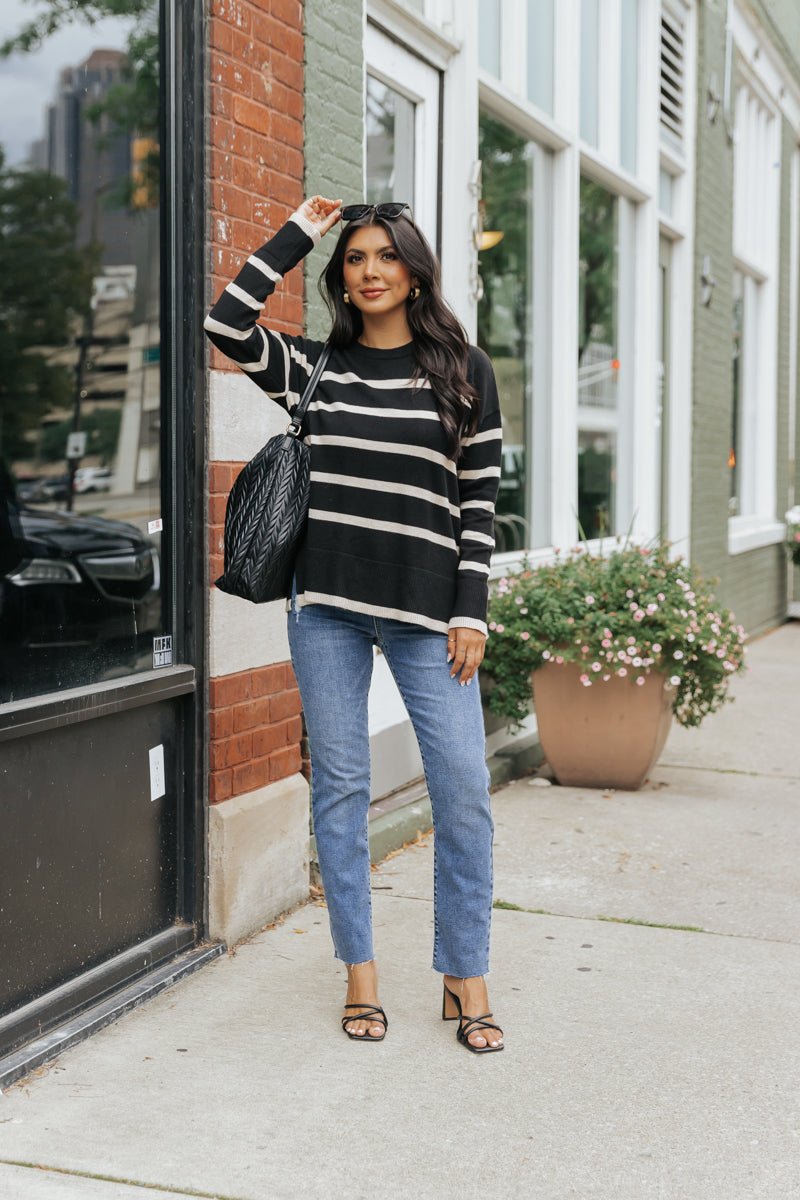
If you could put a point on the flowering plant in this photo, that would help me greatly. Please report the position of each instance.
(793, 534)
(628, 613)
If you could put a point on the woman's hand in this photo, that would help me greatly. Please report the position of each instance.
(322, 212)
(465, 647)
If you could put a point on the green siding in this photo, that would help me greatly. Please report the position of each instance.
(753, 584)
(334, 159)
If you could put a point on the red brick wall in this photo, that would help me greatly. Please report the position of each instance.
(255, 159)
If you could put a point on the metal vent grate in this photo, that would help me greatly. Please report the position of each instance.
(672, 75)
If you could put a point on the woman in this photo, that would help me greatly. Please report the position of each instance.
(404, 430)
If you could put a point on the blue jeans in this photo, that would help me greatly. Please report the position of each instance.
(332, 656)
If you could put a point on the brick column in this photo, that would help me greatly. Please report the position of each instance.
(258, 822)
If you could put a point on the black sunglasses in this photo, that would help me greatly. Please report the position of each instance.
(354, 212)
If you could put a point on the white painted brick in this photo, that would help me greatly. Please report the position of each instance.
(241, 417)
(244, 635)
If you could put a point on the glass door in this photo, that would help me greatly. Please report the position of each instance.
(401, 157)
(401, 130)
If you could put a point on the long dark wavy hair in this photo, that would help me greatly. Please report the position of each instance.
(440, 340)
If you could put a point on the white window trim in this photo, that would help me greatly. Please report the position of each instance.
(751, 533)
(756, 524)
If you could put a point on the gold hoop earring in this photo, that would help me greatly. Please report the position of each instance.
(346, 296)
(414, 293)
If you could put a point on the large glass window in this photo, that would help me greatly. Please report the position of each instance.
(80, 387)
(505, 311)
(598, 362)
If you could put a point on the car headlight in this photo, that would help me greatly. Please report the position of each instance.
(45, 570)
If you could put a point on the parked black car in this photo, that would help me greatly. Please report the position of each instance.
(80, 597)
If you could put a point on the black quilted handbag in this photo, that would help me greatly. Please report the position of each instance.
(267, 508)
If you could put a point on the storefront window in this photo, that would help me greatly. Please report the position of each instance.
(598, 364)
(489, 35)
(590, 68)
(541, 52)
(505, 311)
(80, 387)
(628, 82)
(390, 143)
(735, 451)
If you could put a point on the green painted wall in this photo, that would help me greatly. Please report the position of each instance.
(334, 159)
(753, 584)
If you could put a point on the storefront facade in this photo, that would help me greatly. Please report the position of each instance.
(101, 517)
(584, 169)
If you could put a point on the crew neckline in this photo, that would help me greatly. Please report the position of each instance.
(377, 352)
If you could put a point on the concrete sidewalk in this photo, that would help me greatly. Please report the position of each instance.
(642, 1060)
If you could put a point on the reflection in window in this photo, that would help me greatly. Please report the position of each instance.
(598, 365)
(80, 391)
(505, 312)
(735, 451)
(390, 144)
(541, 52)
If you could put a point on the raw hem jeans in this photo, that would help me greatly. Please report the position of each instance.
(332, 656)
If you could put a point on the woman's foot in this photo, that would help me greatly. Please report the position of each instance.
(474, 997)
(362, 988)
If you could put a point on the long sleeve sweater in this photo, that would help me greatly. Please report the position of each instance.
(396, 528)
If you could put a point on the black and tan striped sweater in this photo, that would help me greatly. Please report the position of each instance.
(395, 527)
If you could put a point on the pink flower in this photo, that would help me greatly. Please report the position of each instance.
(622, 672)
(518, 600)
(590, 599)
(492, 625)
(629, 594)
(559, 659)
(584, 678)
(605, 643)
(656, 648)
(595, 666)
(545, 654)
(584, 649)
(661, 597)
(638, 616)
(631, 641)
(501, 628)
(640, 680)
(651, 608)
(524, 635)
(570, 620)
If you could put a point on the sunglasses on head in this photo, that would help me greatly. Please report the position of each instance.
(354, 212)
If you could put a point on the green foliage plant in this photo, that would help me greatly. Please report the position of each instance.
(627, 613)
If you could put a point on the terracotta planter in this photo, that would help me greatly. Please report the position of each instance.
(606, 735)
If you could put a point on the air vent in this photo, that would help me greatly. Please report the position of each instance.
(672, 76)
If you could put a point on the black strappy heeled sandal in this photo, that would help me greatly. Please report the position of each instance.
(369, 1013)
(473, 1024)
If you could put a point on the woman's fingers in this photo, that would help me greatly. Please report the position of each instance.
(467, 647)
(322, 211)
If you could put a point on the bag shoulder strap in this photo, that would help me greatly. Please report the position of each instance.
(299, 410)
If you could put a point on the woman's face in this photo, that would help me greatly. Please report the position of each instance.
(374, 275)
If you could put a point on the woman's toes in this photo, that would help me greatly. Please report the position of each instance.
(376, 1030)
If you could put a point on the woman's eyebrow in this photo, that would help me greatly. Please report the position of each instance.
(358, 249)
